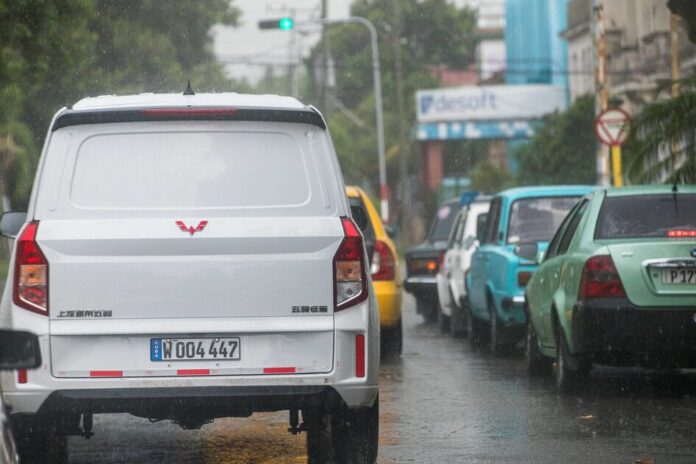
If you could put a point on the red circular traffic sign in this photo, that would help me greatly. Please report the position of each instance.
(611, 126)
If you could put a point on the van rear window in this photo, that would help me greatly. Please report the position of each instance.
(160, 170)
(646, 216)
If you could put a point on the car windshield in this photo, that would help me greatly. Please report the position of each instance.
(442, 224)
(646, 216)
(536, 219)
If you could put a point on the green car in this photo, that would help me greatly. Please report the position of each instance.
(617, 285)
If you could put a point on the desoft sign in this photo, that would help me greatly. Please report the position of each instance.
(489, 102)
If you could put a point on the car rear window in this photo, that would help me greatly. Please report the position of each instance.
(645, 216)
(160, 170)
(536, 219)
(442, 224)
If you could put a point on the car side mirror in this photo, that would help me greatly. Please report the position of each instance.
(470, 241)
(11, 223)
(391, 232)
(19, 350)
(527, 251)
(540, 256)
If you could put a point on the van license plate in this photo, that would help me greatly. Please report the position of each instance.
(195, 349)
(676, 276)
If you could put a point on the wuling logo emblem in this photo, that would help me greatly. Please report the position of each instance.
(191, 230)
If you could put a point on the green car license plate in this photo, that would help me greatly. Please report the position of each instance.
(679, 276)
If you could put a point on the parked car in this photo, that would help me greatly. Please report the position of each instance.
(617, 285)
(203, 264)
(423, 261)
(384, 268)
(19, 351)
(520, 222)
(465, 236)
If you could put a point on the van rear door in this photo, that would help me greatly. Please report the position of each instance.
(190, 248)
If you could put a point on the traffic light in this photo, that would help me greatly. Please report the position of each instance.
(284, 24)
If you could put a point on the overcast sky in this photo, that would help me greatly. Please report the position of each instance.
(247, 44)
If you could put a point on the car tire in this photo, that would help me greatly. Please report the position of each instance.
(476, 329)
(571, 372)
(443, 322)
(392, 341)
(426, 309)
(537, 363)
(497, 340)
(38, 442)
(344, 436)
(458, 325)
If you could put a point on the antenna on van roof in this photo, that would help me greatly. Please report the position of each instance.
(189, 90)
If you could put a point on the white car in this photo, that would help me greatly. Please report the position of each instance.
(189, 257)
(469, 225)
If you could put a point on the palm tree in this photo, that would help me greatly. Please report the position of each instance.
(664, 139)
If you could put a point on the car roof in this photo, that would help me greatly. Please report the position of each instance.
(546, 191)
(649, 189)
(352, 191)
(176, 100)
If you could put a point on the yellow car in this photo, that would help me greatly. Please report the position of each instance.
(384, 266)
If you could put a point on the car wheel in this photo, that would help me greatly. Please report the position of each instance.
(571, 372)
(392, 341)
(476, 329)
(426, 309)
(496, 339)
(443, 321)
(458, 326)
(345, 436)
(38, 443)
(537, 363)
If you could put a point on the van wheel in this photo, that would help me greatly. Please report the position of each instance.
(346, 436)
(392, 341)
(537, 363)
(571, 371)
(38, 442)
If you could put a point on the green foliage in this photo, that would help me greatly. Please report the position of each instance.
(563, 149)
(54, 52)
(664, 140)
(485, 177)
(687, 10)
(434, 32)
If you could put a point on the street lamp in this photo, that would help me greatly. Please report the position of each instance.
(288, 23)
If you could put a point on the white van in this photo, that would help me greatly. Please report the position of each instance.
(188, 257)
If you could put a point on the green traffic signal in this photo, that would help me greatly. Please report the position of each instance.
(285, 24)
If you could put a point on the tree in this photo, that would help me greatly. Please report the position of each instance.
(55, 52)
(686, 9)
(485, 177)
(562, 151)
(433, 32)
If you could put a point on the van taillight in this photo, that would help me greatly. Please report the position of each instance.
(382, 262)
(350, 281)
(31, 273)
(600, 279)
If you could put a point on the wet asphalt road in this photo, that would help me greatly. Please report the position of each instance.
(444, 402)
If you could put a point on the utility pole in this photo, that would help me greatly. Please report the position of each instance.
(602, 102)
(326, 50)
(674, 45)
(404, 142)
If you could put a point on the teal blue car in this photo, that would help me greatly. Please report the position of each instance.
(521, 223)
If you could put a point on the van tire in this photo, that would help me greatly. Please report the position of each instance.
(38, 442)
(344, 436)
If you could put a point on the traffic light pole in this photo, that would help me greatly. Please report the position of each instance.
(379, 117)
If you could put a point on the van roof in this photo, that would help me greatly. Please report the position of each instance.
(175, 100)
